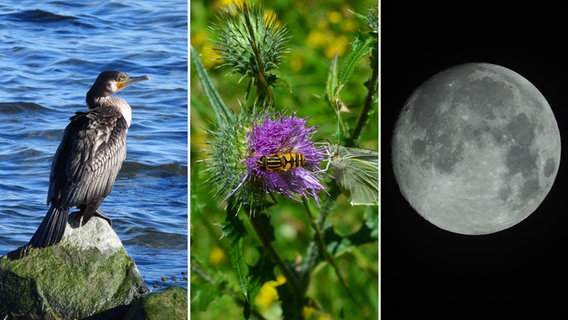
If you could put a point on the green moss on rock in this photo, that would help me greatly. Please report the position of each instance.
(168, 304)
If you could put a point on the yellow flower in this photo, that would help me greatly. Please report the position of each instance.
(316, 39)
(270, 15)
(217, 256)
(297, 62)
(334, 17)
(268, 293)
(349, 25)
(200, 41)
(311, 313)
(198, 38)
(210, 56)
(308, 311)
(222, 3)
(339, 44)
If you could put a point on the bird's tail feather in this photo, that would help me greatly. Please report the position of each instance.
(51, 229)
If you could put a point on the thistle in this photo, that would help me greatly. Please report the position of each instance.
(226, 153)
(249, 42)
(238, 156)
(295, 168)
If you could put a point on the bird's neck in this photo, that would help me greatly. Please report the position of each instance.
(117, 103)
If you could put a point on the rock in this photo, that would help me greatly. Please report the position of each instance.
(88, 274)
(168, 304)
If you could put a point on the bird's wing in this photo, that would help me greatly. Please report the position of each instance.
(89, 157)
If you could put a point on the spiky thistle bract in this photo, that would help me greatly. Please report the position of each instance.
(249, 41)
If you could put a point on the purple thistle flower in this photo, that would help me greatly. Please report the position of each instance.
(286, 137)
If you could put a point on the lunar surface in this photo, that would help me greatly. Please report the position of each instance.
(476, 149)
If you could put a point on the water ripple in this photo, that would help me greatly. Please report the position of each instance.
(37, 16)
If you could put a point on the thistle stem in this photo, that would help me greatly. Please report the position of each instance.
(318, 238)
(289, 274)
(264, 90)
(364, 116)
(317, 225)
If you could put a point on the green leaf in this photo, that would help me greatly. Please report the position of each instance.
(260, 273)
(358, 15)
(372, 224)
(223, 114)
(239, 266)
(205, 286)
(292, 305)
(361, 49)
(331, 85)
(235, 231)
(368, 233)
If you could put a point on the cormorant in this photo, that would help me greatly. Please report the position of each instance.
(88, 158)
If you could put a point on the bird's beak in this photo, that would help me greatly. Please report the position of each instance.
(131, 80)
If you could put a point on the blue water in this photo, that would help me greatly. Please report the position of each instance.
(50, 54)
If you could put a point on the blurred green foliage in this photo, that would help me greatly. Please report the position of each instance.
(318, 29)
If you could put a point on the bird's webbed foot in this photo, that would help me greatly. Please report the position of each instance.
(99, 213)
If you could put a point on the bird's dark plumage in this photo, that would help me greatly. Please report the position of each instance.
(88, 158)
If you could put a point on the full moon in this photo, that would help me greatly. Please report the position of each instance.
(476, 149)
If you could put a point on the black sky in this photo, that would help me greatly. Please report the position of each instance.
(436, 274)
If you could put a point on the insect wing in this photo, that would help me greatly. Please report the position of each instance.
(357, 174)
